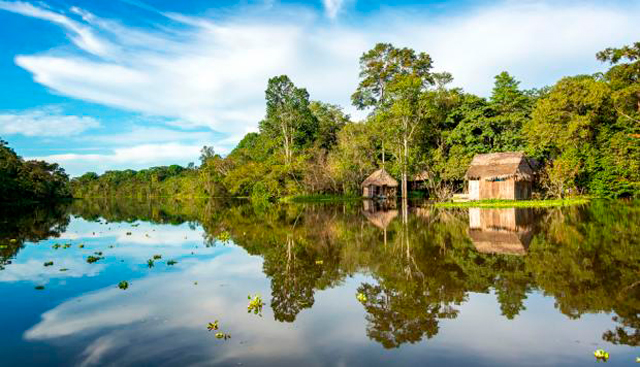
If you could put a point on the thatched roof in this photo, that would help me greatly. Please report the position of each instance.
(495, 166)
(381, 219)
(380, 178)
(500, 242)
(422, 176)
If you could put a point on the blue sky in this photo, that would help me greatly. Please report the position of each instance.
(99, 85)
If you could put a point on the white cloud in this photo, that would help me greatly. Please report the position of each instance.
(140, 134)
(48, 121)
(332, 7)
(134, 157)
(82, 36)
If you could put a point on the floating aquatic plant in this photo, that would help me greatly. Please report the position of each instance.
(98, 253)
(255, 304)
(91, 259)
(224, 336)
(150, 263)
(213, 326)
(81, 246)
(171, 262)
(39, 287)
(361, 297)
(128, 233)
(224, 237)
(48, 263)
(66, 245)
(601, 355)
(64, 269)
(123, 285)
(157, 257)
(56, 246)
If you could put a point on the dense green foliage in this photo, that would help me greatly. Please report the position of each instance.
(29, 181)
(584, 133)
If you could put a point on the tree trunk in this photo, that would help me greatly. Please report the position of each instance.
(404, 169)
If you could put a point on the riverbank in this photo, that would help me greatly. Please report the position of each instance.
(318, 198)
(514, 203)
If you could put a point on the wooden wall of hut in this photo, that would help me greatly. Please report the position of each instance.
(508, 189)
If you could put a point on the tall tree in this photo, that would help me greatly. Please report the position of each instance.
(391, 81)
(383, 66)
(289, 118)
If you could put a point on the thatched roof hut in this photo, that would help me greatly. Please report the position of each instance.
(380, 178)
(379, 184)
(505, 175)
(500, 166)
(422, 176)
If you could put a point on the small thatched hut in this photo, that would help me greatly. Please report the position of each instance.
(417, 182)
(500, 176)
(379, 184)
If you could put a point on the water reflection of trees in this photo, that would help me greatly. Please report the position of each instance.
(424, 266)
(29, 224)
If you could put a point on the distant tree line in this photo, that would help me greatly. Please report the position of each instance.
(30, 180)
(584, 132)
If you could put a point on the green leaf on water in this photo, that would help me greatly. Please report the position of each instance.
(601, 355)
(213, 326)
(123, 285)
(361, 297)
(255, 305)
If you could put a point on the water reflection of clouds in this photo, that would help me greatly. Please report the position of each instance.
(33, 269)
(146, 240)
(166, 315)
(157, 308)
(142, 234)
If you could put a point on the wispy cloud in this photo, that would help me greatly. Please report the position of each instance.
(332, 7)
(47, 121)
(135, 157)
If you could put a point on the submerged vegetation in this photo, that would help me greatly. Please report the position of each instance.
(418, 124)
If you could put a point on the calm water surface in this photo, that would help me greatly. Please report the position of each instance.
(351, 284)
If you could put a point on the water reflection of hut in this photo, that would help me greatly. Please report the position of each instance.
(379, 184)
(500, 176)
(379, 214)
(501, 231)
